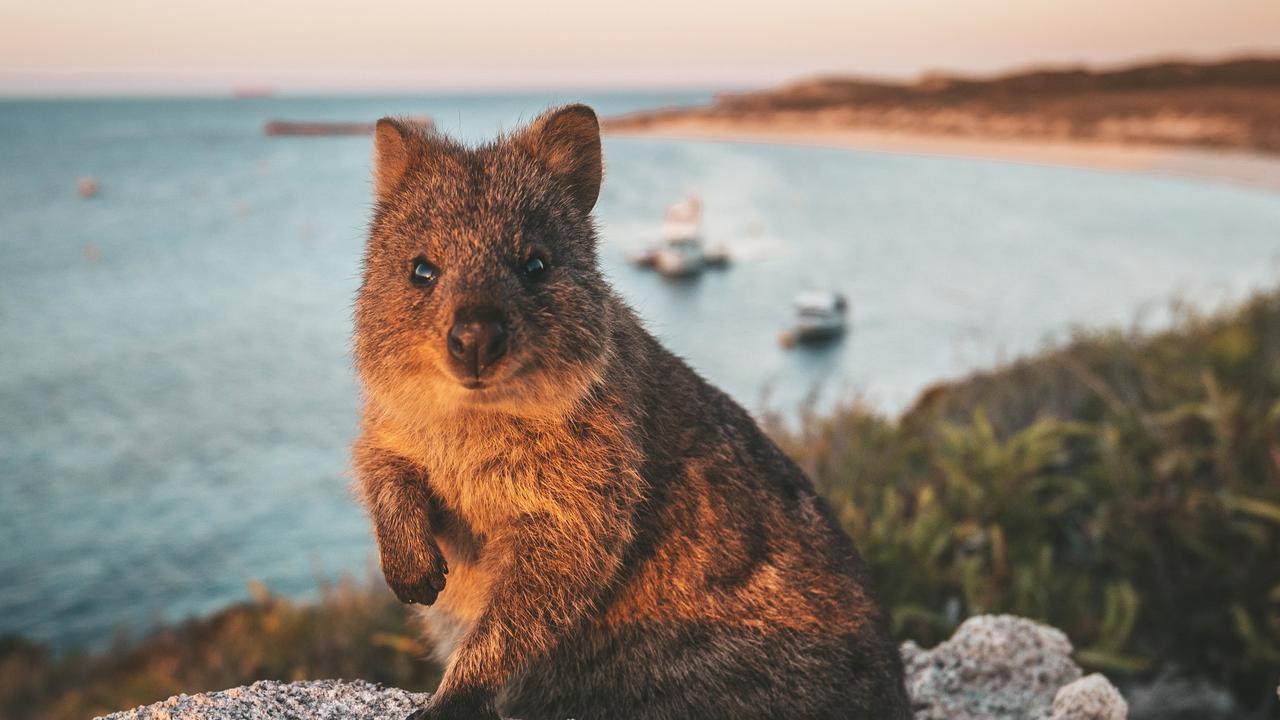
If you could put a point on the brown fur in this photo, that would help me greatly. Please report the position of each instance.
(598, 531)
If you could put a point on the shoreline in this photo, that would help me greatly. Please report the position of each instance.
(1242, 168)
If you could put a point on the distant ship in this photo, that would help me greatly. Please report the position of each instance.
(251, 92)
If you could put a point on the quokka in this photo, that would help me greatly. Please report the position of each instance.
(599, 533)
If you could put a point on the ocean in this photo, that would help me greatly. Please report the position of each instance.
(176, 391)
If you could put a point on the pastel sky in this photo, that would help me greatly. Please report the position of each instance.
(79, 46)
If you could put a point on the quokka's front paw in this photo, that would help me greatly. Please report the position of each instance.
(416, 580)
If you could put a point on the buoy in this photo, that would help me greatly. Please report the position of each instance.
(88, 187)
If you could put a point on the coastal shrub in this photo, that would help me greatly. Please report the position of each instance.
(1125, 489)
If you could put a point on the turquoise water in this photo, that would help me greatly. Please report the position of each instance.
(176, 395)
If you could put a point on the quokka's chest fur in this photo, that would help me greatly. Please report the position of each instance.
(488, 470)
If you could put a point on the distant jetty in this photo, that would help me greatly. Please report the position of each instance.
(285, 128)
(252, 92)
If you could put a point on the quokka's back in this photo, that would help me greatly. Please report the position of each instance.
(596, 530)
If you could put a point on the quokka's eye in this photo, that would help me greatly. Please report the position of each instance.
(424, 273)
(535, 268)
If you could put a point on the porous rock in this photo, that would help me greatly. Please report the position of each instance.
(1092, 697)
(998, 667)
(271, 700)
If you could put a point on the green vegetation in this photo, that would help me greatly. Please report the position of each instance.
(1123, 488)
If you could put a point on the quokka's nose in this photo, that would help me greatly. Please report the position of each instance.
(478, 338)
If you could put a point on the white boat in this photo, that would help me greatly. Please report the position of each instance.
(681, 252)
(683, 221)
(679, 258)
(820, 315)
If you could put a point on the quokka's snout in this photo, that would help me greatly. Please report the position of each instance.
(477, 341)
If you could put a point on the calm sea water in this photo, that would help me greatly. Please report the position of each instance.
(176, 395)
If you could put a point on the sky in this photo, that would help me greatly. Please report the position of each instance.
(211, 46)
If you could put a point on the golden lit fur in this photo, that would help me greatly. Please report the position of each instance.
(597, 531)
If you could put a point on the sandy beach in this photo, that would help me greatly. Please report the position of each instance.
(1239, 167)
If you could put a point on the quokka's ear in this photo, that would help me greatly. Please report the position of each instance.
(392, 151)
(567, 139)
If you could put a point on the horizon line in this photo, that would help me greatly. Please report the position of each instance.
(17, 84)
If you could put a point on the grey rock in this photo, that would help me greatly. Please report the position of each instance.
(271, 700)
(994, 667)
(1092, 697)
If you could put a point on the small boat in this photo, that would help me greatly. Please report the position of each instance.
(681, 252)
(679, 258)
(276, 128)
(821, 315)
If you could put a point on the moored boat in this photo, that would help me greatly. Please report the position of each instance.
(681, 252)
(821, 315)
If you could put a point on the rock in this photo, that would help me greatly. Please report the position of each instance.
(1006, 667)
(271, 700)
(995, 667)
(1090, 698)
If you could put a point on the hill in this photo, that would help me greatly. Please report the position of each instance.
(1232, 104)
